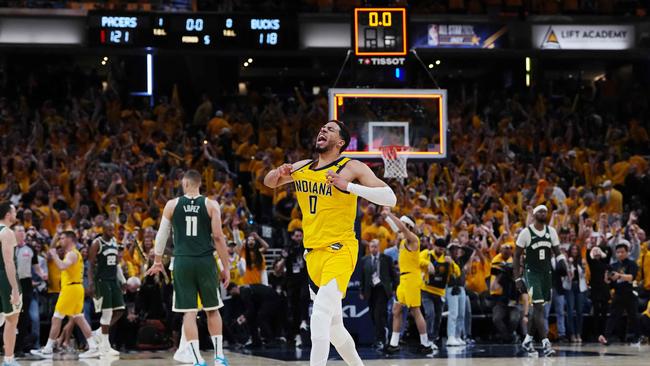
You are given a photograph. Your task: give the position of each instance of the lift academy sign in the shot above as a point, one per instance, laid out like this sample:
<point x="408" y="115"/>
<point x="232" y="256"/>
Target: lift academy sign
<point x="583" y="37"/>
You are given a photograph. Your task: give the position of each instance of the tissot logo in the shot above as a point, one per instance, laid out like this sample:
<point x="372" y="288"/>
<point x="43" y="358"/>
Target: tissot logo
<point x="350" y="311"/>
<point x="381" y="61"/>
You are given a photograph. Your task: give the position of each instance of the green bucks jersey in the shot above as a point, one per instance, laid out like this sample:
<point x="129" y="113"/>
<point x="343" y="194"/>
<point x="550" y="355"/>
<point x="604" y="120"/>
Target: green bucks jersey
<point x="537" y="246"/>
<point x="2" y="258"/>
<point x="192" y="228"/>
<point x="106" y="263"/>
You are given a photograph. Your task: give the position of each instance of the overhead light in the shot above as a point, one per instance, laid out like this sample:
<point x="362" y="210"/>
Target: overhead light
<point x="438" y="62"/>
<point x="103" y="63"/>
<point x="315" y="90"/>
<point x="245" y="64"/>
<point x="527" y="64"/>
<point x="250" y="60"/>
<point x="105" y="58"/>
<point x="431" y="66"/>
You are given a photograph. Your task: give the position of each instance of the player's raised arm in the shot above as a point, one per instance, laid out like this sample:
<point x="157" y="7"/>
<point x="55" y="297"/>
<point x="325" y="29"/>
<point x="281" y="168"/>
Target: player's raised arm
<point x="161" y="237"/>
<point x="411" y="238"/>
<point x="370" y="187"/>
<point x="282" y="175"/>
<point x="69" y="259"/>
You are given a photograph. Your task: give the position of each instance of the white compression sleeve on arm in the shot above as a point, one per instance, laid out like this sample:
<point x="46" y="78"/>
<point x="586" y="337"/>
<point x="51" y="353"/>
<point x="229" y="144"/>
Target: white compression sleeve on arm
<point x="380" y="195"/>
<point x="161" y="236"/>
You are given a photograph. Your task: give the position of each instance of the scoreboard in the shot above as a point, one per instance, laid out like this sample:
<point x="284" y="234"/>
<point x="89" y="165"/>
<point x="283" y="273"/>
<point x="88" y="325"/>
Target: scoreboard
<point x="379" y="32"/>
<point x="208" y="31"/>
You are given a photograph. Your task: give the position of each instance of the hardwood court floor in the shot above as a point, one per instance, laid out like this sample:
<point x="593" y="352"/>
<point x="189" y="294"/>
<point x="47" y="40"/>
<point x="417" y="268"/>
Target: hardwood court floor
<point x="479" y="355"/>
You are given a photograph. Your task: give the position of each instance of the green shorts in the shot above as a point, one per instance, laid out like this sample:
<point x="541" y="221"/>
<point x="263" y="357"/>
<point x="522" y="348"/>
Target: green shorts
<point x="539" y="286"/>
<point x="110" y="294"/>
<point x="194" y="277"/>
<point x="6" y="307"/>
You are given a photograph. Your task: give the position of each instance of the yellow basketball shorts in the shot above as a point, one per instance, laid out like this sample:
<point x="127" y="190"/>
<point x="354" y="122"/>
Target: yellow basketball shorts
<point x="335" y="262"/>
<point x="71" y="300"/>
<point x="409" y="292"/>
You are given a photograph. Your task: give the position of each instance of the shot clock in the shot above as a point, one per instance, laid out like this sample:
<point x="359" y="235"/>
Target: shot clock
<point x="379" y="32"/>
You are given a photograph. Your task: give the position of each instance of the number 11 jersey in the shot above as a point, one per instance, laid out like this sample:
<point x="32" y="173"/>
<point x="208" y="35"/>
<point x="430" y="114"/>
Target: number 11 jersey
<point x="192" y="228"/>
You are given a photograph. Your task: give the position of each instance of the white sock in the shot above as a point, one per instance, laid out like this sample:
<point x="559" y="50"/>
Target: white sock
<point x="91" y="343"/>
<point x="424" y="339"/>
<point x="182" y="343"/>
<point x="529" y="338"/>
<point x="50" y="344"/>
<point x="9" y="359"/>
<point x="394" y="339"/>
<point x="196" y="352"/>
<point x="217" y="341"/>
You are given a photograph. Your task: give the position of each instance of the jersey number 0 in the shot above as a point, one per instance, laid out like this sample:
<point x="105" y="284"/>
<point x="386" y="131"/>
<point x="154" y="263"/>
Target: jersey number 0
<point x="191" y="225"/>
<point x="312" y="204"/>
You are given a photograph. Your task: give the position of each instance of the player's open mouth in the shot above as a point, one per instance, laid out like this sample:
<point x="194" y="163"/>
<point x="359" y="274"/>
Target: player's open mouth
<point x="321" y="138"/>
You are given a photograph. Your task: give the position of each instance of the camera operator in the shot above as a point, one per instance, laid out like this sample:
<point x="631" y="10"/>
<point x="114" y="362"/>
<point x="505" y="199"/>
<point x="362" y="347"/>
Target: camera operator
<point x="295" y="269"/>
<point x="620" y="276"/>
<point x="506" y="315"/>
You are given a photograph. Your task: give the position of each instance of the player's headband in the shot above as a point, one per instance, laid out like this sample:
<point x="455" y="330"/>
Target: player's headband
<point x="539" y="208"/>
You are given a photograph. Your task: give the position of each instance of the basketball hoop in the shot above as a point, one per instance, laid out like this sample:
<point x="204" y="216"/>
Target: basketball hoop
<point x="394" y="163"/>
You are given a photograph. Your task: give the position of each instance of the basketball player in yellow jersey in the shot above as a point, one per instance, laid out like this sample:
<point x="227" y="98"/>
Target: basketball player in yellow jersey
<point x="328" y="201"/>
<point x="410" y="282"/>
<point x="70" y="301"/>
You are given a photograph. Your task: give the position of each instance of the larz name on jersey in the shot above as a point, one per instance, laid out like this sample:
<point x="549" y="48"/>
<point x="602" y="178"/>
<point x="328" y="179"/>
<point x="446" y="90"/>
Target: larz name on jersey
<point x="191" y="208"/>
<point x="322" y="189"/>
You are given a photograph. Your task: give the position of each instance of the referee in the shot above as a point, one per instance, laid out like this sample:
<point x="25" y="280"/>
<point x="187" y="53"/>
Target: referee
<point x="26" y="260"/>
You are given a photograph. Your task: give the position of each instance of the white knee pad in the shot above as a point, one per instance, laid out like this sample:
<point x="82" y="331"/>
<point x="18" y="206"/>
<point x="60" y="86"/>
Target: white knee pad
<point x="107" y="315"/>
<point x="326" y="305"/>
<point x="57" y="315"/>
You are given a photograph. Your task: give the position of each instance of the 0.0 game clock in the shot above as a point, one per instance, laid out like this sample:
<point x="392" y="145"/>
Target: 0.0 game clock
<point x="379" y="31"/>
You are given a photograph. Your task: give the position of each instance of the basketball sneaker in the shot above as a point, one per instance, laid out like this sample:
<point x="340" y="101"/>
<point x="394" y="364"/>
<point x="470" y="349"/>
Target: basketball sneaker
<point x="424" y="350"/>
<point x="183" y="355"/>
<point x="453" y="342"/>
<point x="91" y="353"/>
<point x="547" y="350"/>
<point x="391" y="349"/>
<point x="10" y="363"/>
<point x="220" y="361"/>
<point x="528" y="346"/>
<point x="44" y="352"/>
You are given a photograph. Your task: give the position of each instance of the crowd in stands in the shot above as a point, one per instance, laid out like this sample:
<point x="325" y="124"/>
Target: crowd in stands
<point x="75" y="155"/>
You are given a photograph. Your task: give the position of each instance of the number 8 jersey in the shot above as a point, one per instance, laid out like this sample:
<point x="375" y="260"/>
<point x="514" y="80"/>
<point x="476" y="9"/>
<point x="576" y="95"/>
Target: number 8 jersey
<point x="328" y="214"/>
<point x="192" y="228"/>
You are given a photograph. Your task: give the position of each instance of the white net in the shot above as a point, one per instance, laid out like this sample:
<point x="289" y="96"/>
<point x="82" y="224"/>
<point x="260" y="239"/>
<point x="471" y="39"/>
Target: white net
<point x="394" y="163"/>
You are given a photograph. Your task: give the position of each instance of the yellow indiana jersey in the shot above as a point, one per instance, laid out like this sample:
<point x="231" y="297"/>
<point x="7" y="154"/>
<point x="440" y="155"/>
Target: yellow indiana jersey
<point x="409" y="261"/>
<point x="328" y="214"/>
<point x="74" y="273"/>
